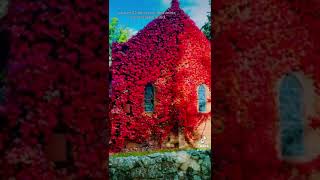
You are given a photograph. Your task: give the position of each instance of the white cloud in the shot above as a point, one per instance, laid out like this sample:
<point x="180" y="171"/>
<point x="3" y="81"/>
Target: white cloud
<point x="196" y="9"/>
<point x="132" y="32"/>
<point x="166" y="2"/>
<point x="199" y="12"/>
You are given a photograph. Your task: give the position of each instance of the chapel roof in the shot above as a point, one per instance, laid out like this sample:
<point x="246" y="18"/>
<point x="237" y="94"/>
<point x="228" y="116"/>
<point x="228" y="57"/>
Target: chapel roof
<point x="174" y="17"/>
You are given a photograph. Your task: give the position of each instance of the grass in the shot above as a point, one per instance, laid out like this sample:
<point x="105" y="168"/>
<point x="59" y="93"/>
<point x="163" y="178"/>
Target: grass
<point x="144" y="153"/>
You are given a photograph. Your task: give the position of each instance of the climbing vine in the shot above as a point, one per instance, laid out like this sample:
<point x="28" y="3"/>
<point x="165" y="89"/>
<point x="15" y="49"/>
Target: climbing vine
<point x="174" y="56"/>
<point x="56" y="75"/>
<point x="257" y="43"/>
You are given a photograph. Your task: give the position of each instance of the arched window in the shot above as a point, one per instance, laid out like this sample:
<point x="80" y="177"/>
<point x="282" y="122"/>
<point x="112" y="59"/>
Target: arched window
<point x="291" y="114"/>
<point x="149" y="98"/>
<point x="202" y="98"/>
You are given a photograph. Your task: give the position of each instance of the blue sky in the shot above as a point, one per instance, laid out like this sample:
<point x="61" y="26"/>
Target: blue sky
<point x="124" y="10"/>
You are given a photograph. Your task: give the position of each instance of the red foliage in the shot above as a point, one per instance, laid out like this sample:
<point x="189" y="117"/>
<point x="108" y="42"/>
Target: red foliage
<point x="57" y="72"/>
<point x="173" y="55"/>
<point x="256" y="43"/>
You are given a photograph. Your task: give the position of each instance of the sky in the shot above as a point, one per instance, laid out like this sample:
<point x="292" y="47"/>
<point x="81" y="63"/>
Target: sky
<point x="124" y="10"/>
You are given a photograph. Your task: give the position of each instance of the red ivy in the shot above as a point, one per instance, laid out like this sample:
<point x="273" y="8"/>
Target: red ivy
<point x="173" y="55"/>
<point x="256" y="43"/>
<point x="57" y="72"/>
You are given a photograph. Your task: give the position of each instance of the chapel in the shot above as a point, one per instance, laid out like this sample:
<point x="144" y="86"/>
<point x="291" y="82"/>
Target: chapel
<point x="160" y="87"/>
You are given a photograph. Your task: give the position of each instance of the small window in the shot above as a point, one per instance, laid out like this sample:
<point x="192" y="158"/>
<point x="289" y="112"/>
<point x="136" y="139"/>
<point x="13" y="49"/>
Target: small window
<point x="202" y="98"/>
<point x="149" y="98"/>
<point x="58" y="148"/>
<point x="110" y="84"/>
<point x="128" y="108"/>
<point x="291" y="117"/>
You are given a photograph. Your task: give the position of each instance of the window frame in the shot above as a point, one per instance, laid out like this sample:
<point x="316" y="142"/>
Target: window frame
<point x="284" y="123"/>
<point x="152" y="101"/>
<point x="205" y="91"/>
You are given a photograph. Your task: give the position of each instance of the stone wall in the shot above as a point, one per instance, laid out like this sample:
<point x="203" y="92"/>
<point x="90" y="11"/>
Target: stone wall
<point x="190" y="164"/>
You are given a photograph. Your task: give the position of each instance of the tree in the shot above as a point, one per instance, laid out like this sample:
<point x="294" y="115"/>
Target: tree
<point x="206" y="29"/>
<point x="116" y="34"/>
